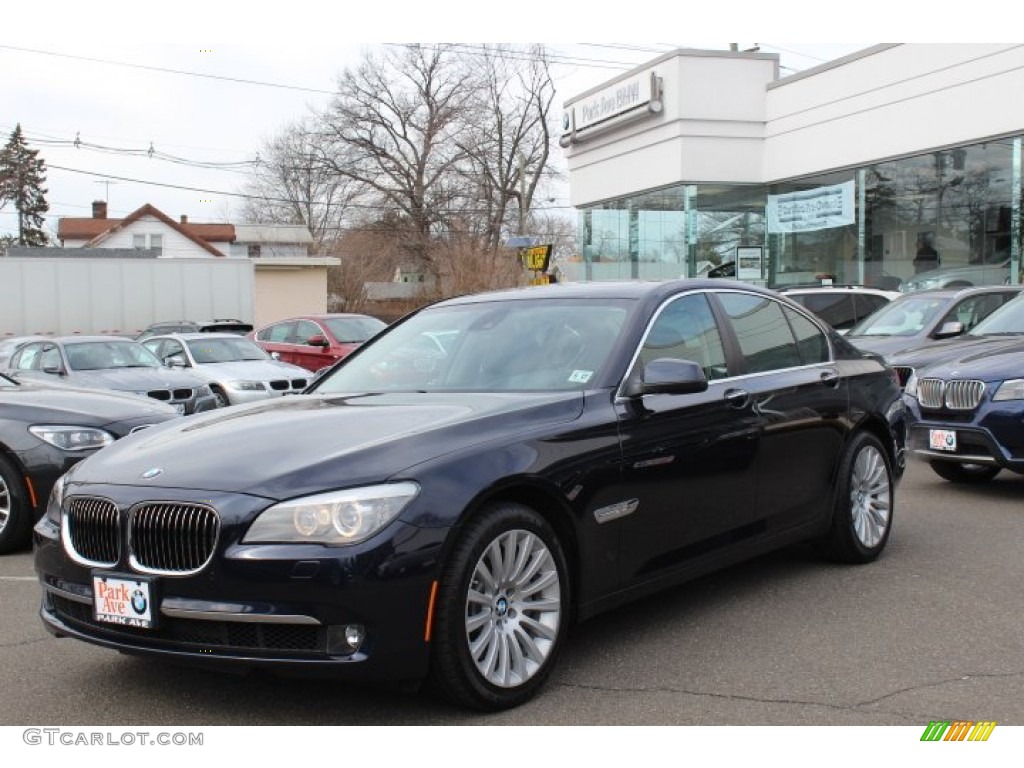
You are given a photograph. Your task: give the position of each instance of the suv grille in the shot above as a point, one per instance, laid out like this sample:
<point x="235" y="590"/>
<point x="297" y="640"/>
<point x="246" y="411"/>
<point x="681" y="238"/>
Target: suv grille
<point x="91" y="531"/>
<point x="957" y="395"/>
<point x="173" y="539"/>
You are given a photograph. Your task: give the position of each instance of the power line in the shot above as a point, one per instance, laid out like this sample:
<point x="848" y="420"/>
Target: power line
<point x="167" y="70"/>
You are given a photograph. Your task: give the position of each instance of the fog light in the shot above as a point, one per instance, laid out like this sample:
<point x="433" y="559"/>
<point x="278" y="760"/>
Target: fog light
<point x="345" y="638"/>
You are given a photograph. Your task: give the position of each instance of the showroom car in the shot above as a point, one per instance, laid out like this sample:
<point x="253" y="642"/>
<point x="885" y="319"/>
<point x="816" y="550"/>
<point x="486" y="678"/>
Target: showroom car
<point x="44" y="430"/>
<point x="966" y="414"/>
<point x="315" y="342"/>
<point x="928" y="318"/>
<point x="559" y="451"/>
<point x="110" y="362"/>
<point x="841" y="306"/>
<point x="235" y="368"/>
<point x="994" y="271"/>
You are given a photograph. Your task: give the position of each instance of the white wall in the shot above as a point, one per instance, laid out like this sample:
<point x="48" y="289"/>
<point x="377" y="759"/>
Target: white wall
<point x="897" y="100"/>
<point x="175" y="244"/>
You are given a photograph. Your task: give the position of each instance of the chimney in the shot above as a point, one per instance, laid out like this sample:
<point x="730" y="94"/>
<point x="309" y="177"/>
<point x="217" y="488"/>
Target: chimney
<point x="184" y="219"/>
<point x="99" y="209"/>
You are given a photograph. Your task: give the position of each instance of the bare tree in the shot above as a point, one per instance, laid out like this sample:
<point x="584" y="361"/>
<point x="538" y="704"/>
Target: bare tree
<point x="292" y="185"/>
<point x="393" y="128"/>
<point x="509" y="141"/>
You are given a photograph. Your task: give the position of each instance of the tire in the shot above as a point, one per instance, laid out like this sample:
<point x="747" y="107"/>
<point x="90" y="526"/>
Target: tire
<point x="863" y="508"/>
<point x="493" y="645"/>
<point x="221" y="400"/>
<point x="964" y="473"/>
<point x="16" y="518"/>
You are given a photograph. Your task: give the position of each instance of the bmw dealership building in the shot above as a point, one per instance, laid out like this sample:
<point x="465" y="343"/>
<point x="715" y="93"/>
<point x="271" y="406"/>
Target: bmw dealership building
<point x="868" y="169"/>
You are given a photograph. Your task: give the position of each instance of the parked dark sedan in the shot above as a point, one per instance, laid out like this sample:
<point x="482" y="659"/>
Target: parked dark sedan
<point x="561" y="450"/>
<point x="111" y="362"/>
<point x="967" y="414"/>
<point x="44" y="430"/>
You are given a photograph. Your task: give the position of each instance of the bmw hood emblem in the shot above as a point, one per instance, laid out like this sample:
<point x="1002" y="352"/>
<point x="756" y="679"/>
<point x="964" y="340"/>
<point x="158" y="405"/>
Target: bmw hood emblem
<point x="149" y="474"/>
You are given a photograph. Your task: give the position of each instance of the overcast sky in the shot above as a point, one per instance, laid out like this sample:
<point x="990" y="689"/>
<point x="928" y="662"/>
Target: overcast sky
<point x="174" y="81"/>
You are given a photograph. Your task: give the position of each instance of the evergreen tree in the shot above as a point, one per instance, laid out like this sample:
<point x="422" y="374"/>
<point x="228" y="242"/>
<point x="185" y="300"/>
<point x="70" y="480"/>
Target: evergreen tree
<point x="22" y="175"/>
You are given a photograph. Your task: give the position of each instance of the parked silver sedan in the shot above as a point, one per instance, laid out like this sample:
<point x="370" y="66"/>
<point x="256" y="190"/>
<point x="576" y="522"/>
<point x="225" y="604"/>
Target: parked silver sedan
<point x="235" y="368"/>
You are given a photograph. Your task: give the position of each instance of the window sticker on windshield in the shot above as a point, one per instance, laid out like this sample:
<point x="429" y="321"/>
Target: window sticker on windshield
<point x="580" y="377"/>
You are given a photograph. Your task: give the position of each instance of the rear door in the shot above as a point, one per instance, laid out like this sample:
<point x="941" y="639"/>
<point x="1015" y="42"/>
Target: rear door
<point x="800" y="400"/>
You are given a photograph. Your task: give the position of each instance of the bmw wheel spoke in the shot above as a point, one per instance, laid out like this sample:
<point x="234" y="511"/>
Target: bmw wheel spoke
<point x="869" y="497"/>
<point x="513" y="608"/>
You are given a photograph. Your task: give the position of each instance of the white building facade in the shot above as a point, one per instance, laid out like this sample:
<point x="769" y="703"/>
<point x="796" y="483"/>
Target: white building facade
<point x="858" y="170"/>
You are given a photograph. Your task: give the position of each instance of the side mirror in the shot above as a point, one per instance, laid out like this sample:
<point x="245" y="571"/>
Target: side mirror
<point x="56" y="370"/>
<point x="275" y="355"/>
<point x="951" y="328"/>
<point x="318" y="340"/>
<point x="175" y="361"/>
<point x="669" y="376"/>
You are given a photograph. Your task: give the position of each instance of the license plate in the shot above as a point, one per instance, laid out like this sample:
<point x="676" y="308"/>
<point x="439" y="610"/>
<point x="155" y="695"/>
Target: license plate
<point x="123" y="600"/>
<point x="942" y="439"/>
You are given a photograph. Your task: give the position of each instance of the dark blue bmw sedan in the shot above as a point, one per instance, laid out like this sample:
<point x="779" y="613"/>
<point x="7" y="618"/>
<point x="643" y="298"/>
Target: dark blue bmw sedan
<point x="448" y="501"/>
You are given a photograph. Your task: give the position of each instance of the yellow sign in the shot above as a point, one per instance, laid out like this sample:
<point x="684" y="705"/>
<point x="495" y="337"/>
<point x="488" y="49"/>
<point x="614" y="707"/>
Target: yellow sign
<point x="537" y="257"/>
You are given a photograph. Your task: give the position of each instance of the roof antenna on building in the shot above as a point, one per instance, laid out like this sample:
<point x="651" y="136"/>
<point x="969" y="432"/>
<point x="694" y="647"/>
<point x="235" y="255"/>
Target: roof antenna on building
<point x="78" y="139"/>
<point x="151" y="150"/>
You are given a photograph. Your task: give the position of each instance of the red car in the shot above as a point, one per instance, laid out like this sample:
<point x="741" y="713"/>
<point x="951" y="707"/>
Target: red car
<point x="316" y="341"/>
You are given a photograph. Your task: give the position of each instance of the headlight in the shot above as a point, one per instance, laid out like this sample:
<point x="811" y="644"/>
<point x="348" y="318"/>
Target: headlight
<point x="1011" y="389"/>
<point x="56" y="501"/>
<point x="203" y="391"/>
<point x="338" y="517"/>
<point x="72" y="438"/>
<point x="910" y="390"/>
<point x="247" y="386"/>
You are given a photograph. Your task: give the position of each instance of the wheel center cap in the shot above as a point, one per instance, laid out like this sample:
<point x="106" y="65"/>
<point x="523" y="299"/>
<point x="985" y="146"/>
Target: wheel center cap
<point x="501" y="607"/>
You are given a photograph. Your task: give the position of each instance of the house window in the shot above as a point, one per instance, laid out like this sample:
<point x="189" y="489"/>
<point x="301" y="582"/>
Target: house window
<point x="157" y="242"/>
<point x="254" y="251"/>
<point x="148" y="241"/>
<point x="138" y="241"/>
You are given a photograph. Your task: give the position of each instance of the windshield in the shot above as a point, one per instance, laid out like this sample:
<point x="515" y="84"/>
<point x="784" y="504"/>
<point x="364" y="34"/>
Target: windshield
<point x="903" y="317"/>
<point x="224" y="350"/>
<point x="354" y="329"/>
<point x="99" y="355"/>
<point x="556" y="344"/>
<point x="1009" y="318"/>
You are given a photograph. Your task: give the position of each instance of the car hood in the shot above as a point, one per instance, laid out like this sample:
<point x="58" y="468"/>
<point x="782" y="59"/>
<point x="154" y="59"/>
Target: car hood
<point x="888" y="345"/>
<point x="293" y="446"/>
<point x="59" y="404"/>
<point x="947" y="349"/>
<point x="133" y="379"/>
<point x="987" y="363"/>
<point x="250" y="370"/>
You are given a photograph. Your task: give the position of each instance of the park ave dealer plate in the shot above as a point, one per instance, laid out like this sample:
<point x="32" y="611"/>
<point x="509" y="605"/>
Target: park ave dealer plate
<point x="122" y="600"/>
<point x="942" y="439"/>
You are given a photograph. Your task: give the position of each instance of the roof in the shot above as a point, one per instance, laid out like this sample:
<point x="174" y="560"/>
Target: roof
<point x="73" y="228"/>
<point x="272" y="233"/>
<point x="149" y="210"/>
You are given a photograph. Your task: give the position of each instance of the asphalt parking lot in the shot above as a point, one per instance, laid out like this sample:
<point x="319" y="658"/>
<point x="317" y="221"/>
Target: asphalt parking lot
<point x="933" y="630"/>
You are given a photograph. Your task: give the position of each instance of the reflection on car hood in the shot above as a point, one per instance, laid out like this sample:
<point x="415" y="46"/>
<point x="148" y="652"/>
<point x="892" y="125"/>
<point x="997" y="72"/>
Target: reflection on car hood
<point x="292" y="446"/>
<point x="987" y="363"/>
<point x="58" y="404"/>
<point x="950" y="348"/>
<point x="133" y="379"/>
<point x="888" y="345"/>
<point x="249" y="370"/>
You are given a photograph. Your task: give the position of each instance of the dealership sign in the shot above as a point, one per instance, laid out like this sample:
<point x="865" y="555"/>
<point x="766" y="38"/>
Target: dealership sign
<point x="636" y="94"/>
<point x="811" y="209"/>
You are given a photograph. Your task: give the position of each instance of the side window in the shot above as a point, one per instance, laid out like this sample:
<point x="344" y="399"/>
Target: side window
<point x="686" y="330"/>
<point x="810" y="341"/>
<point x="25" y="359"/>
<point x="50" y="358"/>
<point x="306" y="329"/>
<point x="973" y="310"/>
<point x="867" y="303"/>
<point x="765" y="338"/>
<point x="279" y="333"/>
<point x="836" y="309"/>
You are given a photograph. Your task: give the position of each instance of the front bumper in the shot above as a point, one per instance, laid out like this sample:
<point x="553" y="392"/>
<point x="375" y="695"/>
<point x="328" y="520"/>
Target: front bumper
<point x="281" y="607"/>
<point x="991" y="435"/>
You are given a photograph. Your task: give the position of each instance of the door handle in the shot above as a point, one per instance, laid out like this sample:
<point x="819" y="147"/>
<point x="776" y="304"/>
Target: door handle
<point x="830" y="378"/>
<point x="737" y="398"/>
